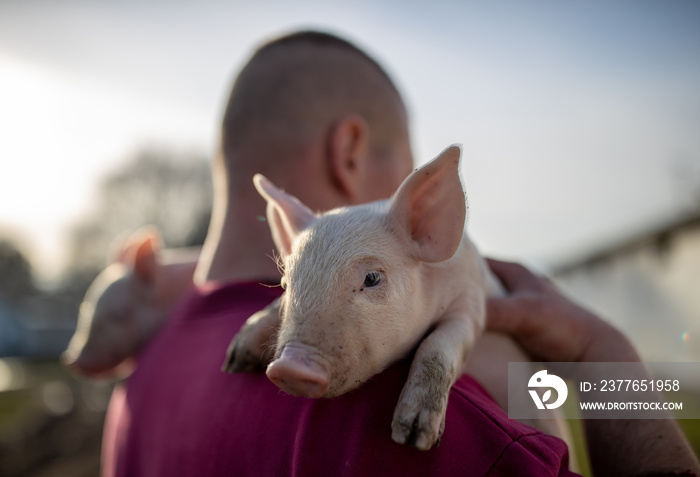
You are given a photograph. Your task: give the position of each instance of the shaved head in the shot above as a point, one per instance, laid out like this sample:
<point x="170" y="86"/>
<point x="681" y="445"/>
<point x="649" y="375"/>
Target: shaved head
<point x="318" y="117"/>
<point x="294" y="89"/>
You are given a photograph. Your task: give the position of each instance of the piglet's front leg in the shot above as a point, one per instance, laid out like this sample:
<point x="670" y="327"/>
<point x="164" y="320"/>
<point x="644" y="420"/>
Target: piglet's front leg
<point x="253" y="348"/>
<point x="419" y="417"/>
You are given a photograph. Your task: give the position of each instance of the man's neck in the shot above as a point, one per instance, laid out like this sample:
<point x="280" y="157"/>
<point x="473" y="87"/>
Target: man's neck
<point x="240" y="249"/>
<point x="239" y="244"/>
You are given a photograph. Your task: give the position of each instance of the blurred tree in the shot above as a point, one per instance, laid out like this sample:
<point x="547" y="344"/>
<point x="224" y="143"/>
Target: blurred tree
<point x="16" y="281"/>
<point x="169" y="190"/>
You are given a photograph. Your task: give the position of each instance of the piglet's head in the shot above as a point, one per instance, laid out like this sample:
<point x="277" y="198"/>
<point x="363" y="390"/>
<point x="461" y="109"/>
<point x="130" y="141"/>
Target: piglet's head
<point x="355" y="277"/>
<point x="115" y="319"/>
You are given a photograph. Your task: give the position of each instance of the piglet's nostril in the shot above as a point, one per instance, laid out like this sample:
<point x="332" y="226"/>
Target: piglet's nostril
<point x="296" y="374"/>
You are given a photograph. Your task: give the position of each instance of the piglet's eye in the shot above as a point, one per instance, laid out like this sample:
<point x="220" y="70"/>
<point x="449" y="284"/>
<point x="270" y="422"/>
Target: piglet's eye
<point x="373" y="279"/>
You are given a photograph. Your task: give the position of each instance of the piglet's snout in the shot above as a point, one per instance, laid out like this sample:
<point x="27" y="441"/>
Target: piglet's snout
<point x="297" y="373"/>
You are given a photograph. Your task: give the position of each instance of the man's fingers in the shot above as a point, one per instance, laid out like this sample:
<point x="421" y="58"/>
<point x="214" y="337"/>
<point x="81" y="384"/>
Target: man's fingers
<point x="514" y="276"/>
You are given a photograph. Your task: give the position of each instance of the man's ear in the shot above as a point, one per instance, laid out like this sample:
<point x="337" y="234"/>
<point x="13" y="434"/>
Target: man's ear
<point x="430" y="206"/>
<point x="348" y="151"/>
<point x="286" y="215"/>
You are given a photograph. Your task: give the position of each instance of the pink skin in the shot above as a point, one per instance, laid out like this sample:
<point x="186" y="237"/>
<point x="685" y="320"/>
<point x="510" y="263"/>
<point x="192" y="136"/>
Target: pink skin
<point x="364" y="285"/>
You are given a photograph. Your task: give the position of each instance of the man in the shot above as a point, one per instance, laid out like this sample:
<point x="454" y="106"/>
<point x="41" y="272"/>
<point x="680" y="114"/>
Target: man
<point x="319" y="117"/>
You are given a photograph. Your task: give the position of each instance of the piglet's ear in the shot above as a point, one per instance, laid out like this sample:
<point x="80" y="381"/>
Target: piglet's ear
<point x="145" y="259"/>
<point x="139" y="252"/>
<point x="286" y="215"/>
<point x="430" y="206"/>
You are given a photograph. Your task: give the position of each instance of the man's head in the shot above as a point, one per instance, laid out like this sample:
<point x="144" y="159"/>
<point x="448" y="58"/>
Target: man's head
<point x="312" y="111"/>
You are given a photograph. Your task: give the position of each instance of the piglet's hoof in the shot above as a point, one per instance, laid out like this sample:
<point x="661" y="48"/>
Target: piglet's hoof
<point x="252" y="349"/>
<point x="417" y="427"/>
<point x="419" y="417"/>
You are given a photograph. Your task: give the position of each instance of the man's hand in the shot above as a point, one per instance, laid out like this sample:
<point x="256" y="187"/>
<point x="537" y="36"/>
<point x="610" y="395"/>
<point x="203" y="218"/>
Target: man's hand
<point x="549" y="326"/>
<point x="552" y="328"/>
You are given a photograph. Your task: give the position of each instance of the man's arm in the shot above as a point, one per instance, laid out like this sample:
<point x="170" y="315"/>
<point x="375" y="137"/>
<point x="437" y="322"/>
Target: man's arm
<point x="552" y="328"/>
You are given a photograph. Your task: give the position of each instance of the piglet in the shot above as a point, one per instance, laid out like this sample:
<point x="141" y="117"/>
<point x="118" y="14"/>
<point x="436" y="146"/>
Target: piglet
<point x="365" y="285"/>
<point x="126" y="304"/>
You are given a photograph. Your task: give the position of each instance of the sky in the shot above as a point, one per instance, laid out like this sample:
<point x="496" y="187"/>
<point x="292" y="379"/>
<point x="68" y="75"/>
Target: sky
<point x="579" y="120"/>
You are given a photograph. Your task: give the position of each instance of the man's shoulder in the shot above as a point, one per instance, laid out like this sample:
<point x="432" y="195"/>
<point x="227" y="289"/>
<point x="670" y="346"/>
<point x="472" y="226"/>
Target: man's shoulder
<point x="242" y="424"/>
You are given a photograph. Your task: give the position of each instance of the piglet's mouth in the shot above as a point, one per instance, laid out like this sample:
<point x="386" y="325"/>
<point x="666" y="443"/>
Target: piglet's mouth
<point x="297" y="371"/>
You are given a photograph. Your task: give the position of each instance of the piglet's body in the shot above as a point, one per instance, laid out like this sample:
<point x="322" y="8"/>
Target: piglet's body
<point x="367" y="284"/>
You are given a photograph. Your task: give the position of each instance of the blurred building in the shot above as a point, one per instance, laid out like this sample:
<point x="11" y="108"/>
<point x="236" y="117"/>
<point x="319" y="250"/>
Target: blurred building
<point x="13" y="335"/>
<point x="649" y="286"/>
<point x="39" y="328"/>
